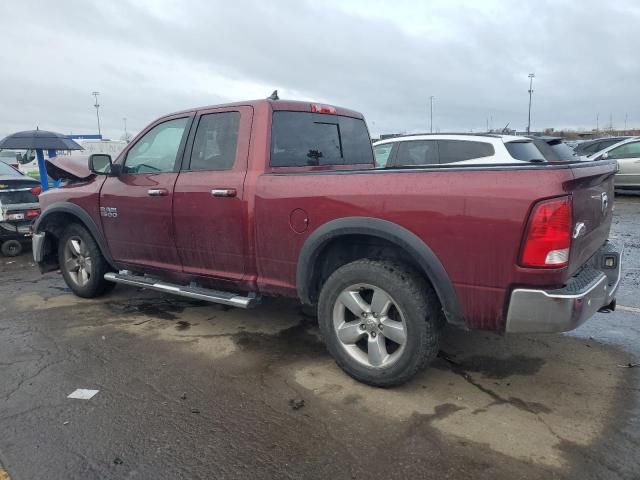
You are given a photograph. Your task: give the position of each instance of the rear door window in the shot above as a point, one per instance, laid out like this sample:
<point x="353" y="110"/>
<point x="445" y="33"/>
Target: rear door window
<point x="309" y="139"/>
<point x="452" y="151"/>
<point x="525" y="151"/>
<point x="417" y="152"/>
<point x="214" y="146"/>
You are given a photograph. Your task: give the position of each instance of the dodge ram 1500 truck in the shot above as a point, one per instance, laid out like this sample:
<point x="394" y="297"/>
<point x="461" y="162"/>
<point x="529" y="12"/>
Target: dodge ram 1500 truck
<point x="234" y="202"/>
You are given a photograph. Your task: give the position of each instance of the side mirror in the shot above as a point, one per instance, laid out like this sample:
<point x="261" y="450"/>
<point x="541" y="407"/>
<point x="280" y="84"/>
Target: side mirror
<point x="100" y="163"/>
<point x="604" y="156"/>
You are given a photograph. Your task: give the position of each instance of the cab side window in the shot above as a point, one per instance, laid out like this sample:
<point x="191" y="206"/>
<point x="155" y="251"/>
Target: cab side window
<point x="215" y="143"/>
<point x="157" y="150"/>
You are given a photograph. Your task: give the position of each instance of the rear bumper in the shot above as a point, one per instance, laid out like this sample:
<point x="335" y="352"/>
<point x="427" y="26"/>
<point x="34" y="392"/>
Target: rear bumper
<point x="547" y="311"/>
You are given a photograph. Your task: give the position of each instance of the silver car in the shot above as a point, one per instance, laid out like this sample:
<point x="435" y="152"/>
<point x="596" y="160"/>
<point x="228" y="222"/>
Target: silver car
<point x="627" y="153"/>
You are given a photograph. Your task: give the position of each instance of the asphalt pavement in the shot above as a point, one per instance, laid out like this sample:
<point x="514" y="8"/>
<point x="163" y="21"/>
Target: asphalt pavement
<point x="194" y="390"/>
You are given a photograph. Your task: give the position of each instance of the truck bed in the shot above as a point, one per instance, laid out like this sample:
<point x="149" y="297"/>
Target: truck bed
<point x="472" y="218"/>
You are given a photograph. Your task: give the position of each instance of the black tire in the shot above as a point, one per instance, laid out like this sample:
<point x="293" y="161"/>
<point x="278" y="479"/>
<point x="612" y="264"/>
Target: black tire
<point x="412" y="295"/>
<point x="11" y="248"/>
<point x="96" y="285"/>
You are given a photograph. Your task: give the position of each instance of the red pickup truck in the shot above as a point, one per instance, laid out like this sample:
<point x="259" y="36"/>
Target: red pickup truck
<point x="233" y="202"/>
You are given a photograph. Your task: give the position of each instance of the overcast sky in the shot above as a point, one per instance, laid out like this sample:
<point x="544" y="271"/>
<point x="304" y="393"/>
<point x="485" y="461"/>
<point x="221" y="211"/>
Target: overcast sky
<point x="151" y="57"/>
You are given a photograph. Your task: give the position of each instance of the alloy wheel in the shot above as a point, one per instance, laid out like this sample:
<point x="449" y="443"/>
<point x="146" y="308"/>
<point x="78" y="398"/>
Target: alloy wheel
<point x="369" y="325"/>
<point x="77" y="261"/>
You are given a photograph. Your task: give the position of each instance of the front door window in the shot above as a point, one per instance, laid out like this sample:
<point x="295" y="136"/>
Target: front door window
<point x="156" y="151"/>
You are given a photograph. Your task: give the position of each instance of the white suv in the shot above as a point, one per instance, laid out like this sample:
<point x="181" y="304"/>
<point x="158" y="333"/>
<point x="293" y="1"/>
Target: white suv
<point x="442" y="149"/>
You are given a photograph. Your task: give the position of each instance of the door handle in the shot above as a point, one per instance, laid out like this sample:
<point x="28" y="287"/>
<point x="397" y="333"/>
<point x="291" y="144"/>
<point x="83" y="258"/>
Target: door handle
<point x="224" y="192"/>
<point x="157" y="192"/>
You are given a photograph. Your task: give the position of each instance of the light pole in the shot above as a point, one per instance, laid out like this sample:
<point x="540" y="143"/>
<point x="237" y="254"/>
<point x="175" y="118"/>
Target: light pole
<point x="97" y="105"/>
<point x="431" y="113"/>
<point x="531" y="77"/>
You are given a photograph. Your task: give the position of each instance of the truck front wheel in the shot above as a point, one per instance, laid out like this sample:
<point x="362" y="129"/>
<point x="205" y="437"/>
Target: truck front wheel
<point x="82" y="264"/>
<point x="379" y="321"/>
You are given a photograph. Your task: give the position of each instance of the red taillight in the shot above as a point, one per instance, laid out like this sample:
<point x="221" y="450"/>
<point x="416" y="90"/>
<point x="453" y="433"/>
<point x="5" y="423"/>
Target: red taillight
<point x="317" y="108"/>
<point x="548" y="238"/>
<point x="32" y="213"/>
<point x="36" y="190"/>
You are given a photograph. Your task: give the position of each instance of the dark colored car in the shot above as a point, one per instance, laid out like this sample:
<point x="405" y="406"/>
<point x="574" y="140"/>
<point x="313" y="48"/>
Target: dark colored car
<point x="272" y="197"/>
<point x="19" y="208"/>
<point x="554" y="149"/>
<point x="593" y="146"/>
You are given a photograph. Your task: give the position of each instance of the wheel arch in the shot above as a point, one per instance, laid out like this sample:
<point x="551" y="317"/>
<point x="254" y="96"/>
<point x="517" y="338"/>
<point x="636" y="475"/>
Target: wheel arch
<point x="54" y="220"/>
<point x="385" y="233"/>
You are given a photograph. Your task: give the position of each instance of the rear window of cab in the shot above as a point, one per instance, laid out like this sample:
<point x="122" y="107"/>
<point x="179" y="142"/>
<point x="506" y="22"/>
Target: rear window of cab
<point x="302" y="139"/>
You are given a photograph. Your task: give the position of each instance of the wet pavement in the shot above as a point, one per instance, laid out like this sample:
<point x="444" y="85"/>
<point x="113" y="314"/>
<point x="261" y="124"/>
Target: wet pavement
<point x="193" y="390"/>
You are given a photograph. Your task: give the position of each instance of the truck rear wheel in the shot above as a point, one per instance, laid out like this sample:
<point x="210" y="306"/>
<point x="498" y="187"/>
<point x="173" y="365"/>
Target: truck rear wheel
<point x="379" y="321"/>
<point x="82" y="264"/>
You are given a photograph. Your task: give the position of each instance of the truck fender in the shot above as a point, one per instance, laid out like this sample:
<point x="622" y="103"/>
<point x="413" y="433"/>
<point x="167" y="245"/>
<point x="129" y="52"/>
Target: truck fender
<point x="82" y="217"/>
<point x="431" y="266"/>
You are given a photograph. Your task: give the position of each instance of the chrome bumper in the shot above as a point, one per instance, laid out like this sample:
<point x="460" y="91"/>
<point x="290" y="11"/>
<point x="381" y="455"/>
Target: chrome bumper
<point x="37" y="242"/>
<point x="547" y="311"/>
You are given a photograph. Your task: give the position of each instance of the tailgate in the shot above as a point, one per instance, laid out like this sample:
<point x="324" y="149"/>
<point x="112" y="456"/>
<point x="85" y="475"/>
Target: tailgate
<point x="592" y="191"/>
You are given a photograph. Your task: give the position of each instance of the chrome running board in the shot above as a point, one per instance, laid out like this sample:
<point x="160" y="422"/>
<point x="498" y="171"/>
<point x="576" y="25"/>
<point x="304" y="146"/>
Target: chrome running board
<point x="226" y="298"/>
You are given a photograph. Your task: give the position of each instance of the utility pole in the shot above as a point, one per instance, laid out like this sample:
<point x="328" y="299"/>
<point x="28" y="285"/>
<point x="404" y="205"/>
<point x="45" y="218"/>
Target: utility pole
<point x="97" y="105"/>
<point x="126" y="137"/>
<point x="531" y="77"/>
<point x="431" y="114"/>
<point x="597" y="122"/>
<point x="626" y="117"/>
<point x="611" y="122"/>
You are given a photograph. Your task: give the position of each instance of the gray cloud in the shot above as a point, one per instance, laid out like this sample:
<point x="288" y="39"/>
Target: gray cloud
<point x="150" y="58"/>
